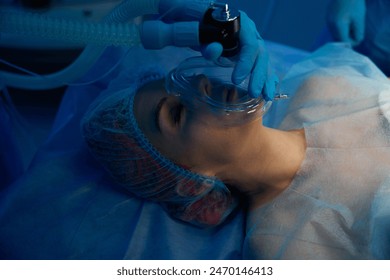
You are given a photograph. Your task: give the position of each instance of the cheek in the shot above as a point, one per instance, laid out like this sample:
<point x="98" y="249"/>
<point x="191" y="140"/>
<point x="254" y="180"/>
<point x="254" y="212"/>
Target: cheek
<point x="209" y="145"/>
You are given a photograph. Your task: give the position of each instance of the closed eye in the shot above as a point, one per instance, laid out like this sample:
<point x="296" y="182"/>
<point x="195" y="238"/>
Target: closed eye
<point x="158" y="113"/>
<point x="169" y="111"/>
<point x="176" y="113"/>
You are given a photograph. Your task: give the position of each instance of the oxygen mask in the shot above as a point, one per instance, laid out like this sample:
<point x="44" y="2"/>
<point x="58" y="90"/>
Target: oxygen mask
<point x="205" y="87"/>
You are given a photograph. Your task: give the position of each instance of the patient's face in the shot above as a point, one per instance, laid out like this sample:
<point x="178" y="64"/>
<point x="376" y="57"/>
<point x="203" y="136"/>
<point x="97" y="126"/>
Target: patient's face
<point x="187" y="136"/>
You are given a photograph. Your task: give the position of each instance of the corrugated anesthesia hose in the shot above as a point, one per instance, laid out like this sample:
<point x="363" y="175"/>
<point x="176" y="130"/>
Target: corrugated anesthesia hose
<point x="77" y="31"/>
<point x="111" y="24"/>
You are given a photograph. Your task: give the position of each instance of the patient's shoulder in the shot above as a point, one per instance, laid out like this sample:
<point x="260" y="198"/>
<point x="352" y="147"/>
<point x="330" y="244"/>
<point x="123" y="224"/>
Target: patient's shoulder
<point x="315" y="99"/>
<point x="323" y="97"/>
<point x="320" y="89"/>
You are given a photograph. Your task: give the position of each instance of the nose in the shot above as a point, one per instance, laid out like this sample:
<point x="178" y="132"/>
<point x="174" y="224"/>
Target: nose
<point x="215" y="90"/>
<point x="202" y="85"/>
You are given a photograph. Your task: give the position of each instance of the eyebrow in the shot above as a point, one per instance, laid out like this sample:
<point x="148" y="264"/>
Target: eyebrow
<point x="157" y="113"/>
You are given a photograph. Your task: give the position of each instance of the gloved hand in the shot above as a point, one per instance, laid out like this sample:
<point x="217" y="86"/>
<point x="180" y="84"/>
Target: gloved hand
<point x="346" y="19"/>
<point x="252" y="60"/>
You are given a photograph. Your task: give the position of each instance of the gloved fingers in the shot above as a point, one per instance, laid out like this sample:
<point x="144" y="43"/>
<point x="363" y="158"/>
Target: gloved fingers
<point x="342" y="29"/>
<point x="212" y="51"/>
<point x="270" y="87"/>
<point x="346" y="20"/>
<point x="259" y="76"/>
<point x="247" y="58"/>
<point x="351" y="31"/>
<point x="251" y="44"/>
<point x="358" y="26"/>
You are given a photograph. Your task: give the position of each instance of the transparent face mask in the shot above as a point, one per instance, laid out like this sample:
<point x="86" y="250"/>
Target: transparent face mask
<point x="205" y="87"/>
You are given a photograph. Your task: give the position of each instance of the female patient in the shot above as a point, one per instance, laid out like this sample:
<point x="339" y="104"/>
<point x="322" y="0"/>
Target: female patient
<point x="314" y="185"/>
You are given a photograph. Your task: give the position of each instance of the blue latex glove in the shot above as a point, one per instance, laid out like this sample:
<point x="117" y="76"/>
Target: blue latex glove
<point x="252" y="60"/>
<point x="346" y="19"/>
<point x="253" y="57"/>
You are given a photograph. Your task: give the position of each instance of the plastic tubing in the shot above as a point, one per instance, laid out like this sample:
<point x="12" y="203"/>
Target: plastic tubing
<point x="124" y="12"/>
<point x="35" y="25"/>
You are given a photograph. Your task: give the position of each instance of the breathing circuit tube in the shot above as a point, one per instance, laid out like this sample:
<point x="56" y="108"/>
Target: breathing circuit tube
<point x="109" y="28"/>
<point x="77" y="31"/>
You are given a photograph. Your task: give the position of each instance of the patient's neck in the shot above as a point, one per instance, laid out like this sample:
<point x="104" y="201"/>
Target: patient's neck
<point x="271" y="164"/>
